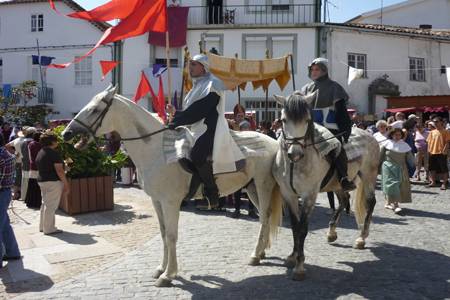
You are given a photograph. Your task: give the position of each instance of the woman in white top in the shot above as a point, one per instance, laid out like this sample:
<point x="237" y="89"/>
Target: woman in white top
<point x="381" y="135"/>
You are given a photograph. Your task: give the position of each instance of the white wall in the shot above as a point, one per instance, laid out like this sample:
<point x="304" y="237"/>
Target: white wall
<point x="412" y="14"/>
<point x="58" y="31"/>
<point x="232" y="43"/>
<point x="387" y="54"/>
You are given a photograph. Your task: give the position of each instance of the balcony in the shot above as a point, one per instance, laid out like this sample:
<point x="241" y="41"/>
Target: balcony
<point x="44" y="95"/>
<point x="252" y="14"/>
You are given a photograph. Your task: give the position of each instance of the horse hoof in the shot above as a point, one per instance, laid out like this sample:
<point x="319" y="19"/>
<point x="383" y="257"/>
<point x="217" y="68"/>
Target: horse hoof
<point x="254" y="261"/>
<point x="157" y="273"/>
<point x="290" y="262"/>
<point x="331" y="238"/>
<point x="299" y="276"/>
<point x="359" y="245"/>
<point x="262" y="255"/>
<point x="163" y="282"/>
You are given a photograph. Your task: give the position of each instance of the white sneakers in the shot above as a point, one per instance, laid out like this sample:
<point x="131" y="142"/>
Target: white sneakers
<point x="397" y="210"/>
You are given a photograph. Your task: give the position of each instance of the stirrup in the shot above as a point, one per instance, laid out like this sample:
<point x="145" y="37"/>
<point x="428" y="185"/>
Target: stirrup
<point x="351" y="187"/>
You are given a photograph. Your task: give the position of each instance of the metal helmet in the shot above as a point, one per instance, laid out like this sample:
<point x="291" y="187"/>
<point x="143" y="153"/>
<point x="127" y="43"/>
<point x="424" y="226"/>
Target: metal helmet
<point x="204" y="60"/>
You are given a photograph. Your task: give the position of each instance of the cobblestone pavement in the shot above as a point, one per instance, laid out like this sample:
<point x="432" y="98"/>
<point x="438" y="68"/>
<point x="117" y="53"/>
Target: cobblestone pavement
<point x="131" y="213"/>
<point x="407" y="257"/>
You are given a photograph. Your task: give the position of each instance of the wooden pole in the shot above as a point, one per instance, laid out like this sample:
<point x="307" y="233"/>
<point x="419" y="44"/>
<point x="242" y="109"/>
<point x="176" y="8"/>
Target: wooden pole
<point x="186" y="54"/>
<point x="169" y="93"/>
<point x="239" y="89"/>
<point x="292" y="69"/>
<point x="267" y="96"/>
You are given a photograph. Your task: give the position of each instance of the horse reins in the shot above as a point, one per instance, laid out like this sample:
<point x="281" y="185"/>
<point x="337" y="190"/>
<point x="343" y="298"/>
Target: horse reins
<point x="100" y="118"/>
<point x="296" y="140"/>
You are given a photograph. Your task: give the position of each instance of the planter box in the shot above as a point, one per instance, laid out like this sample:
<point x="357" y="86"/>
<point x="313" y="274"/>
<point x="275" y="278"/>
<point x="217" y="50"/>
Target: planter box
<point x="88" y="194"/>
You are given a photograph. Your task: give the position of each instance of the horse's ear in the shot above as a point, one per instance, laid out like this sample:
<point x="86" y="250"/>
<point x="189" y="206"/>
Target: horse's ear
<point x="311" y="97"/>
<point x="111" y="91"/>
<point x="280" y="99"/>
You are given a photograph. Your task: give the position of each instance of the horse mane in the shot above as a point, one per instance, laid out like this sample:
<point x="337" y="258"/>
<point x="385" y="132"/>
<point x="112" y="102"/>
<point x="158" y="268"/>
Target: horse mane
<point x="137" y="108"/>
<point x="297" y="109"/>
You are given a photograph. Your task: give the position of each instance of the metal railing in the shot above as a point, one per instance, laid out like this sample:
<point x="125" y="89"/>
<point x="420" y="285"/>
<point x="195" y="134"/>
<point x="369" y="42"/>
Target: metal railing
<point x="252" y="14"/>
<point x="44" y="94"/>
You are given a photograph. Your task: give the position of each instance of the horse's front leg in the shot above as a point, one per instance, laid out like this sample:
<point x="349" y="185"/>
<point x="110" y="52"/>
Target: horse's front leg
<point x="294" y="219"/>
<point x="171" y="212"/>
<point x="343" y="202"/>
<point x="162" y="228"/>
<point x="261" y="198"/>
<point x="301" y="232"/>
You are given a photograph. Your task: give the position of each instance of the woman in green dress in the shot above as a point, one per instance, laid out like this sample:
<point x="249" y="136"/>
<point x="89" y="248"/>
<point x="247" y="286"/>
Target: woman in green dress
<point x="394" y="176"/>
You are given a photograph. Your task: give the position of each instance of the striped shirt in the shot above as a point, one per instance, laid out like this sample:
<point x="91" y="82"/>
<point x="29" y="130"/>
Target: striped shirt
<point x="6" y="168"/>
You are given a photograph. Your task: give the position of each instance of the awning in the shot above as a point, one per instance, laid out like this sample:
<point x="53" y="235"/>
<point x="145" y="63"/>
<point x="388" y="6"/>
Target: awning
<point x="405" y="109"/>
<point x="436" y="109"/>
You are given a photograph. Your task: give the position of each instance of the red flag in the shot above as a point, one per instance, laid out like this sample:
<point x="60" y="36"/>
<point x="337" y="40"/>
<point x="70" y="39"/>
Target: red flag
<point x="177" y="18"/>
<point x="107" y="66"/>
<point x="161" y="101"/>
<point x="115" y="9"/>
<point x="143" y="88"/>
<point x="151" y="15"/>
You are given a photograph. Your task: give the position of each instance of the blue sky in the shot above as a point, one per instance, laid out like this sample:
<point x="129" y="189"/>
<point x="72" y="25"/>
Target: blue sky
<point x="347" y="9"/>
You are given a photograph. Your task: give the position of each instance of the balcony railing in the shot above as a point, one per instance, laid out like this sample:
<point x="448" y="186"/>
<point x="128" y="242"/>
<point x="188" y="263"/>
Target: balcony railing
<point x="252" y="14"/>
<point x="44" y="94"/>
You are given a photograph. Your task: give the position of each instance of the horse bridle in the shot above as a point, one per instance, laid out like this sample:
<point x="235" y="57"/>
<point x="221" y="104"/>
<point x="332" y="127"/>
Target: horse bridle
<point x="100" y="118"/>
<point x="289" y="141"/>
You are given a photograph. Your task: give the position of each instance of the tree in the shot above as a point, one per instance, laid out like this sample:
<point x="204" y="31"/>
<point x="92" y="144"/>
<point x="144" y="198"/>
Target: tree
<point x="16" y="109"/>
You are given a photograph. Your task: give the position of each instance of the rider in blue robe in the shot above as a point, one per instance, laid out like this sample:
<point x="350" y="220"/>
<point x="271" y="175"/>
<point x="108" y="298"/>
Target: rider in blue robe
<point x="330" y="110"/>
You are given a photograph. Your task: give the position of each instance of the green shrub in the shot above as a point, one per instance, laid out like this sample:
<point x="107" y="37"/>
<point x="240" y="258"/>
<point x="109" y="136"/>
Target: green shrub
<point x="89" y="162"/>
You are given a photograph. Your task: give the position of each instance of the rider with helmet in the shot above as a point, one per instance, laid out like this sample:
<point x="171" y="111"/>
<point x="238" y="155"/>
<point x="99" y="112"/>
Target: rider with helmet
<point x="330" y="111"/>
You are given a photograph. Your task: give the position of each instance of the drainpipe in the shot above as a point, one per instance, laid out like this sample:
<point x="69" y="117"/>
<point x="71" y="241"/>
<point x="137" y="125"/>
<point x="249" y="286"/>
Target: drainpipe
<point x="318" y="4"/>
<point x="118" y="53"/>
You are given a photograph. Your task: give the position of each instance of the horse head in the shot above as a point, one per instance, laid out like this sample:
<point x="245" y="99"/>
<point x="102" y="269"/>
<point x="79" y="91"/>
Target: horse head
<point x="90" y="121"/>
<point x="298" y="124"/>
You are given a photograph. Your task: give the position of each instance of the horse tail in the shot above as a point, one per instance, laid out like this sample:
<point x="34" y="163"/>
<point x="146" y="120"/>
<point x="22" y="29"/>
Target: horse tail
<point x="276" y="215"/>
<point x="360" y="201"/>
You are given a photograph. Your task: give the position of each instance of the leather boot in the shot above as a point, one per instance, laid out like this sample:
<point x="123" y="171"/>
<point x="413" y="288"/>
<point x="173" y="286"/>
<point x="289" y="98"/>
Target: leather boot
<point x="210" y="192"/>
<point x="341" y="167"/>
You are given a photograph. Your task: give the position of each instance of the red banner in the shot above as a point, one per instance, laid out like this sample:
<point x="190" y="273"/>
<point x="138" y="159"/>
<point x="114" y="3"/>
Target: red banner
<point x="177" y="17"/>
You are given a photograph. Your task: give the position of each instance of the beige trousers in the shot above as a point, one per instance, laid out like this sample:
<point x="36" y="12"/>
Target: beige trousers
<point x="51" y="195"/>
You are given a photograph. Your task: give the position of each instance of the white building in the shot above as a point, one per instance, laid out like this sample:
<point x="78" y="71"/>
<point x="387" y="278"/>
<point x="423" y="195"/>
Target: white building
<point x="23" y="24"/>
<point x="429" y="14"/>
<point x="414" y="60"/>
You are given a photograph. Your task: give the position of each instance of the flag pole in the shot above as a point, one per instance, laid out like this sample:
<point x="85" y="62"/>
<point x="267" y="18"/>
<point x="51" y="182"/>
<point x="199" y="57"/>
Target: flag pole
<point x="39" y="58"/>
<point x="169" y="93"/>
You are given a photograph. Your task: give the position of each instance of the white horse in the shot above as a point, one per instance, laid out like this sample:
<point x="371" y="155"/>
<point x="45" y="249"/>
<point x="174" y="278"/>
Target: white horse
<point x="168" y="184"/>
<point x="299" y="170"/>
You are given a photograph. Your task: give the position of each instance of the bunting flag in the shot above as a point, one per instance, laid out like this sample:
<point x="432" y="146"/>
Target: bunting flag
<point x="42" y="60"/>
<point x="107" y="66"/>
<point x="142" y="17"/>
<point x="157" y="71"/>
<point x="448" y="76"/>
<point x="175" y="101"/>
<point x="143" y="89"/>
<point x="354" y="73"/>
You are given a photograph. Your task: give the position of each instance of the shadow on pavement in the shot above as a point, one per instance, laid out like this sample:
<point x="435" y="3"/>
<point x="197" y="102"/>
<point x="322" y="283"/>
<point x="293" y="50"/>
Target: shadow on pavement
<point x="389" y="277"/>
<point x="35" y="281"/>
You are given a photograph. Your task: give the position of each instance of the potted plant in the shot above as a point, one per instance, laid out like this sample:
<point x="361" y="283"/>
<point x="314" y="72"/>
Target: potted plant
<point x="89" y="177"/>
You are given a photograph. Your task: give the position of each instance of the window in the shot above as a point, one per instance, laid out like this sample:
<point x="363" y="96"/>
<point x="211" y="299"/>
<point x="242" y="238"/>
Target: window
<point x="1" y="77"/>
<point x="259" y="109"/>
<point x="417" y="69"/>
<point x="37" y="23"/>
<point x="35" y="73"/>
<point x="161" y="56"/>
<point x="83" y="71"/>
<point x="213" y="41"/>
<point x="278" y="45"/>
<point x="280" y="4"/>
<point x="358" y="61"/>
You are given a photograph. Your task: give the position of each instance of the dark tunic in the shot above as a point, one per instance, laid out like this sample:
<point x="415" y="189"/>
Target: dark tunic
<point x="205" y="108"/>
